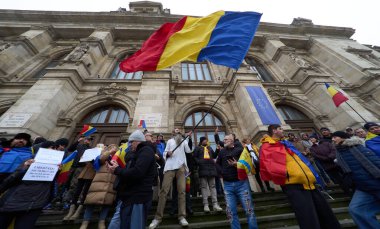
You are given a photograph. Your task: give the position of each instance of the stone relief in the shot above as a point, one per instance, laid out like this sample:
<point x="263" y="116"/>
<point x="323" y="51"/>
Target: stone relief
<point x="4" y="46"/>
<point x="112" y="89"/>
<point x="301" y="62"/>
<point x="278" y="92"/>
<point x="78" y="52"/>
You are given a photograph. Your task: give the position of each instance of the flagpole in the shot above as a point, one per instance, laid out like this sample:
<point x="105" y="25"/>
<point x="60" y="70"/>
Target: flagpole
<point x="356" y="111"/>
<point x="213" y="105"/>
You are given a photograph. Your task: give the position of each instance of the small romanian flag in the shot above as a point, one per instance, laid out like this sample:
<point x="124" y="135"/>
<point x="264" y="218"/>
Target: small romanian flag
<point x="142" y="124"/>
<point x="119" y="156"/>
<point x="87" y="130"/>
<point x="66" y="166"/>
<point x="337" y="96"/>
<point x="222" y="38"/>
<point x="245" y="165"/>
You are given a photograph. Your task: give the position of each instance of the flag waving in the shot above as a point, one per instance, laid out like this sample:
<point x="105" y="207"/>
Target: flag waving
<point x="87" y="130"/>
<point x="119" y="156"/>
<point x="66" y="166"/>
<point x="223" y="38"/>
<point x="337" y="96"/>
<point x="244" y="165"/>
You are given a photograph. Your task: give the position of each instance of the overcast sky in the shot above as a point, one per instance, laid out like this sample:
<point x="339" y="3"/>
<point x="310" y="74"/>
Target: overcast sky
<point x="362" y="15"/>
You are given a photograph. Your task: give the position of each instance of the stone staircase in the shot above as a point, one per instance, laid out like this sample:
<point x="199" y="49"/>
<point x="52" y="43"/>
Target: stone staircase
<point x="272" y="211"/>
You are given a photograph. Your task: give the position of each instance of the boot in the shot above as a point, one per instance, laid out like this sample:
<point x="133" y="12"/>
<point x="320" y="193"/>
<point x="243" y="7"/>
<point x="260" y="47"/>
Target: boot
<point x="71" y="212"/>
<point x="77" y="213"/>
<point x="102" y="224"/>
<point x="84" y="224"/>
<point x="206" y="208"/>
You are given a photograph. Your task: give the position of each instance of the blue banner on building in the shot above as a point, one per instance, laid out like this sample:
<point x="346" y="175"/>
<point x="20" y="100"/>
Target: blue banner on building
<point x="263" y="106"/>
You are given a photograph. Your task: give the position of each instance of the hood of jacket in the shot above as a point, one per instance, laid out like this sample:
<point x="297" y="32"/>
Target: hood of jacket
<point x="353" y="141"/>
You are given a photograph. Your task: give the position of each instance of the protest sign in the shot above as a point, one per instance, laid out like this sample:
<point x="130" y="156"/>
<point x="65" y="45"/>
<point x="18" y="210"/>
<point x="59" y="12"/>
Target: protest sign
<point x="41" y="172"/>
<point x="49" y="156"/>
<point x="90" y="154"/>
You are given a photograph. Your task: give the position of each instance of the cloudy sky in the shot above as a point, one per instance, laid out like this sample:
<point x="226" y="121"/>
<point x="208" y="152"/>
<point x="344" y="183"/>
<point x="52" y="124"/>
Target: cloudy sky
<point x="362" y="15"/>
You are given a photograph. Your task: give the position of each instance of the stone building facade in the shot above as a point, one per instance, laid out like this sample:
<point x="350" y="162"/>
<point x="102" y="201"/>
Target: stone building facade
<point x="59" y="70"/>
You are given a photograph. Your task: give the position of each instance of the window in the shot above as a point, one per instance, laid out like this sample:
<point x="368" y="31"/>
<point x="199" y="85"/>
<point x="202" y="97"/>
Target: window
<point x="206" y="128"/>
<point x="195" y="71"/>
<point x="290" y="113"/>
<point x="118" y="74"/>
<point x="262" y="72"/>
<point x="108" y="115"/>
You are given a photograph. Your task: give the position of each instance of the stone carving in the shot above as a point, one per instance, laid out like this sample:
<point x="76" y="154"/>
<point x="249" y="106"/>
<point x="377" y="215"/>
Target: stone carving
<point x="302" y="21"/>
<point x="4" y="46"/>
<point x="304" y="63"/>
<point x="64" y="122"/>
<point x="278" y="92"/>
<point x="112" y="89"/>
<point x="78" y="52"/>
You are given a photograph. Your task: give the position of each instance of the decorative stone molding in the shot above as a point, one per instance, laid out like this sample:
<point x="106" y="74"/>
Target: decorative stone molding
<point x="4" y="46"/>
<point x="323" y="117"/>
<point x="78" y="53"/>
<point x="366" y="54"/>
<point x="24" y="41"/>
<point x="272" y="37"/>
<point x="303" y="63"/>
<point x="64" y="122"/>
<point x="112" y="90"/>
<point x="202" y="99"/>
<point x="48" y="28"/>
<point x="302" y="21"/>
<point x="278" y="92"/>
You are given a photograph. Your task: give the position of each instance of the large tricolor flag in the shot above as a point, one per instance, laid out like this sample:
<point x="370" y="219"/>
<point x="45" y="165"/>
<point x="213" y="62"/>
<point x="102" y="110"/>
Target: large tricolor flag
<point x="244" y="165"/>
<point x="337" y="96"/>
<point x="87" y="130"/>
<point x="66" y="166"/>
<point x="372" y="142"/>
<point x="223" y="38"/>
<point x="119" y="156"/>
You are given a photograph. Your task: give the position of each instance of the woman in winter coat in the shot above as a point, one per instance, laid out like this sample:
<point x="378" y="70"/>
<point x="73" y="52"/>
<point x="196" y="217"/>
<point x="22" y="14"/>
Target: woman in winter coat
<point x="101" y="192"/>
<point x="364" y="167"/>
<point x="204" y="157"/>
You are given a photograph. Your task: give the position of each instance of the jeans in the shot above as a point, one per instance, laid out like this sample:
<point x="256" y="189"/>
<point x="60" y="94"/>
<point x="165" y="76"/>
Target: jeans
<point x="363" y="209"/>
<point x="89" y="209"/>
<point x="134" y="216"/>
<point x="234" y="191"/>
<point x="115" y="221"/>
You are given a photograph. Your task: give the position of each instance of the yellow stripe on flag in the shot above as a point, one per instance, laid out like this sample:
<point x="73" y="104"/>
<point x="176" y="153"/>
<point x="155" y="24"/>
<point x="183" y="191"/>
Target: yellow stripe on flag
<point x="332" y="91"/>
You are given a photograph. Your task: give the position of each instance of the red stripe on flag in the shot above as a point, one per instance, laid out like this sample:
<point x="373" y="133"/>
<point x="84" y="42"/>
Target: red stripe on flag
<point x="339" y="98"/>
<point x="150" y="53"/>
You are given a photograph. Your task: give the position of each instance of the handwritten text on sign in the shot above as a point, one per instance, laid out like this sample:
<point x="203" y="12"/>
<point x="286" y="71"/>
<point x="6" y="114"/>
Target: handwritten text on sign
<point x="41" y="172"/>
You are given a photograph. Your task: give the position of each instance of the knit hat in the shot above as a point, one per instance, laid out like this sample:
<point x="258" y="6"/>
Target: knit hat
<point x="62" y="142"/>
<point x="137" y="135"/>
<point x="314" y="135"/>
<point x="369" y="125"/>
<point x="39" y="140"/>
<point x="324" y="128"/>
<point x="47" y="144"/>
<point x="340" y="134"/>
<point x="202" y="139"/>
<point x="24" y="136"/>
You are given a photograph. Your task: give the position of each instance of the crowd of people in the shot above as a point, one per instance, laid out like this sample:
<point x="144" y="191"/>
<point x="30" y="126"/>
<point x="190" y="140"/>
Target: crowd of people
<point x="303" y="167"/>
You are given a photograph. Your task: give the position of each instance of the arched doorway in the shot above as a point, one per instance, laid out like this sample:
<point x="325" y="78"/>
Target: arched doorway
<point x="206" y="128"/>
<point x="110" y="122"/>
<point x="297" y="120"/>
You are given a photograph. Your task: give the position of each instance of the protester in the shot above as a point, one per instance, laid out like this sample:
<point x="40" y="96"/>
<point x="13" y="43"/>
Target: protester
<point x="175" y="167"/>
<point x="19" y="151"/>
<point x="292" y="138"/>
<point x="101" y="192"/>
<point x="136" y="181"/>
<point x="82" y="175"/>
<point x="234" y="188"/>
<point x="283" y="164"/>
<point x="204" y="157"/>
<point x="363" y="166"/>
<point x="350" y="131"/>
<point x="326" y="135"/>
<point x="305" y="140"/>
<point x="361" y="133"/>
<point x="37" y="143"/>
<point x="372" y="140"/>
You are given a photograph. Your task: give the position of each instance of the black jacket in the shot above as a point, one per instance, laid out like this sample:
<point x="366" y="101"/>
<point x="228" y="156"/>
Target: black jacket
<point x="136" y="179"/>
<point x="23" y="195"/>
<point x="206" y="167"/>
<point x="229" y="173"/>
<point x="80" y="148"/>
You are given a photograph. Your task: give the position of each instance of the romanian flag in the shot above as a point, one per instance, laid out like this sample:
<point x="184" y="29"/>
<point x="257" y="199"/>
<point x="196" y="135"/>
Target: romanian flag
<point x="119" y="156"/>
<point x="372" y="142"/>
<point x="87" y="130"/>
<point x="142" y="124"/>
<point x="223" y="38"/>
<point x="65" y="169"/>
<point x="336" y="95"/>
<point x="244" y="165"/>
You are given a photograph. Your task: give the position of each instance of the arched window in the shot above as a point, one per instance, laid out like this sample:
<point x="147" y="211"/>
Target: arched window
<point x="262" y="72"/>
<point x="53" y="63"/>
<point x="119" y="74"/>
<point x="107" y="115"/>
<point x="195" y="71"/>
<point x="297" y="120"/>
<point x="206" y="128"/>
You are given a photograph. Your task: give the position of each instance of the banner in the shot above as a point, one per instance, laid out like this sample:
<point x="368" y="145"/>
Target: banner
<point x="263" y="106"/>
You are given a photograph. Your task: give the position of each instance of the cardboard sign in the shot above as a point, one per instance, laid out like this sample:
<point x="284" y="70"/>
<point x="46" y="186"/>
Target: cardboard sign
<point x="49" y="156"/>
<point x="41" y="172"/>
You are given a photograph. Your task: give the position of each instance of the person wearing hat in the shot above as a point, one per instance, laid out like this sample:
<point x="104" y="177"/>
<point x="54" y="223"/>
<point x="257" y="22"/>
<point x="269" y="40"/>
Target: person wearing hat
<point x="136" y="181"/>
<point x="20" y="151"/>
<point x="326" y="134"/>
<point x="204" y="157"/>
<point x="363" y="166"/>
<point x="350" y="131"/>
<point x="372" y="140"/>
